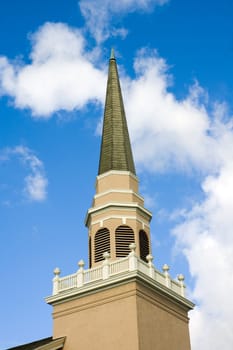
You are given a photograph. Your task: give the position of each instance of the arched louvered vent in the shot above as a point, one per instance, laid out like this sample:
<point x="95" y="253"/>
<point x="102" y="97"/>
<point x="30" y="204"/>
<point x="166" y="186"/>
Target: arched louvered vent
<point x="90" y="255"/>
<point x="144" y="245"/>
<point x="124" y="235"/>
<point x="102" y="243"/>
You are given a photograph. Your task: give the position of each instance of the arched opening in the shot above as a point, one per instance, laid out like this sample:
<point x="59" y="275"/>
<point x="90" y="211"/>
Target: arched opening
<point x="124" y="235"/>
<point x="144" y="245"/>
<point x="102" y="243"/>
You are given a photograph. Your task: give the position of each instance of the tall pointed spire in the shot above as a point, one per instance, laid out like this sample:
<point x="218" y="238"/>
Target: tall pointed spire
<point x="116" y="153"/>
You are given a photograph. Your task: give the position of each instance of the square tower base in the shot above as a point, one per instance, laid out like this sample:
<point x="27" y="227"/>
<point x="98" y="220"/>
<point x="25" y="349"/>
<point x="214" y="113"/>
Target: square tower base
<point x="130" y="314"/>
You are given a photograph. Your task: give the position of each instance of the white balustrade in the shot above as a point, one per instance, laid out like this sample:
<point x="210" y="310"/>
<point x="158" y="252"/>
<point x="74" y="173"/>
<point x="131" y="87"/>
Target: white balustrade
<point x="93" y="274"/>
<point x="121" y="265"/>
<point x="132" y="263"/>
<point x="68" y="282"/>
<point x="143" y="267"/>
<point x="159" y="277"/>
<point x="175" y="286"/>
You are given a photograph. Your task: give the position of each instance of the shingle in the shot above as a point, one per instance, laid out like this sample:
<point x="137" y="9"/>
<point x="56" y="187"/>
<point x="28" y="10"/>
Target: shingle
<point x="116" y="153"/>
<point x="34" y="345"/>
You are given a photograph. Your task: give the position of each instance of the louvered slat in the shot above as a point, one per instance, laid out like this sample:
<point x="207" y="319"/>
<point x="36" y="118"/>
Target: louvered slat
<point x="102" y="243"/>
<point x="124" y="235"/>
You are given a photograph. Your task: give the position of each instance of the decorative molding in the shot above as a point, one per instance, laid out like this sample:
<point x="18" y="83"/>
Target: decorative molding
<point x="117" y="172"/>
<point x="121" y="218"/>
<point x="117" y="206"/>
<point x="118" y="191"/>
<point x="115" y="281"/>
<point x="110" y="273"/>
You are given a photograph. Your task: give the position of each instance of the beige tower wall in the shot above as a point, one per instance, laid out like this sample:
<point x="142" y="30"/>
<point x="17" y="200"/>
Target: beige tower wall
<point x="162" y="323"/>
<point x="113" y="222"/>
<point x="104" y="320"/>
<point x="117" y="202"/>
<point x="127" y="316"/>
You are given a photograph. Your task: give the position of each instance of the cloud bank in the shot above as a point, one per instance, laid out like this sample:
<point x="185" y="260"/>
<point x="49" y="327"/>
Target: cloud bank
<point x="184" y="136"/>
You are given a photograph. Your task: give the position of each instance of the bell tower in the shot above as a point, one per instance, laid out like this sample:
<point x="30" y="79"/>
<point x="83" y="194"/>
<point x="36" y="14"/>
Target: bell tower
<point x="122" y="301"/>
<point x="117" y="217"/>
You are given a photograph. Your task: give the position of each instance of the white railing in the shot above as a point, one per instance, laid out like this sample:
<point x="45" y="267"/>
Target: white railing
<point x="142" y="266"/>
<point x="121" y="265"/>
<point x="118" y="267"/>
<point x="93" y="274"/>
<point x="68" y="282"/>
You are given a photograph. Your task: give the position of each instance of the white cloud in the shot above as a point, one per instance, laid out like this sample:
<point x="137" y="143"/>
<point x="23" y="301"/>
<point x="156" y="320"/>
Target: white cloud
<point x="181" y="135"/>
<point x="205" y="237"/>
<point x="99" y="14"/>
<point x="35" y="187"/>
<point x="59" y="77"/>
<point x="167" y="133"/>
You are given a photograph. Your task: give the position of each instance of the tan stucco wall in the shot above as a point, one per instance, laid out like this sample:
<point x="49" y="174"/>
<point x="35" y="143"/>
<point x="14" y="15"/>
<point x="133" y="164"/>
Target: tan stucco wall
<point x="112" y="223"/>
<point x="116" y="203"/>
<point x="162" y="324"/>
<point x="117" y="180"/>
<point x="124" y="317"/>
<point x="117" y="196"/>
<point x="104" y="320"/>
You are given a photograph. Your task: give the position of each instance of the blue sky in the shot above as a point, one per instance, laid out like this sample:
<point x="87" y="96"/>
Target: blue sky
<point x="175" y="63"/>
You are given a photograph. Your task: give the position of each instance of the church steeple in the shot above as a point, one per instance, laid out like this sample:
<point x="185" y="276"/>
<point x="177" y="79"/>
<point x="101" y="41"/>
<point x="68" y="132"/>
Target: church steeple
<point x="116" y="153"/>
<point x="117" y="217"/>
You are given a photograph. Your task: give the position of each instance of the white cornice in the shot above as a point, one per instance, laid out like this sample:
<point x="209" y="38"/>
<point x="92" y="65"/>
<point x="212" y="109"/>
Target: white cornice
<point x="121" y="217"/>
<point x="117" y="205"/>
<point x="117" y="172"/>
<point x="119" y="191"/>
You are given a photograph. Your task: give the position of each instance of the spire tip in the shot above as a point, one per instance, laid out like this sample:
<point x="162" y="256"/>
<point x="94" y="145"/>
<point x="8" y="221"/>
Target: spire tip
<point x="112" y="57"/>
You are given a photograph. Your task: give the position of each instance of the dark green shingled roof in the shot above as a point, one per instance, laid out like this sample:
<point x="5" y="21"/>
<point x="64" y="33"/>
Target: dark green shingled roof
<point x="33" y="345"/>
<point x="116" y="153"/>
<point x="38" y="344"/>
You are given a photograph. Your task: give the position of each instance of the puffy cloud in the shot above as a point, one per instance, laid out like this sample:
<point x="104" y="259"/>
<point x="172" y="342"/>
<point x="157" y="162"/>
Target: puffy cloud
<point x="99" y="14"/>
<point x="35" y="183"/>
<point x="166" y="132"/>
<point x="59" y="77"/>
<point x="205" y="237"/>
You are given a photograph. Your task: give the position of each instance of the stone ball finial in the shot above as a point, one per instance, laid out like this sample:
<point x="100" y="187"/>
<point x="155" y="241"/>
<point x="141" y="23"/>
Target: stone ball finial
<point x="166" y="268"/>
<point x="57" y="271"/>
<point x="149" y="258"/>
<point x="106" y="255"/>
<point x="180" y="278"/>
<point x="132" y="247"/>
<point x="81" y="264"/>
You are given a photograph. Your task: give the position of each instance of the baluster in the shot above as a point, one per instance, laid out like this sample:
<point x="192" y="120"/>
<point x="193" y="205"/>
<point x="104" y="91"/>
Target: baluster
<point x="80" y="273"/>
<point x="182" y="285"/>
<point x="167" y="276"/>
<point x="150" y="258"/>
<point x="105" y="265"/>
<point x="133" y="260"/>
<point x="56" y="278"/>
